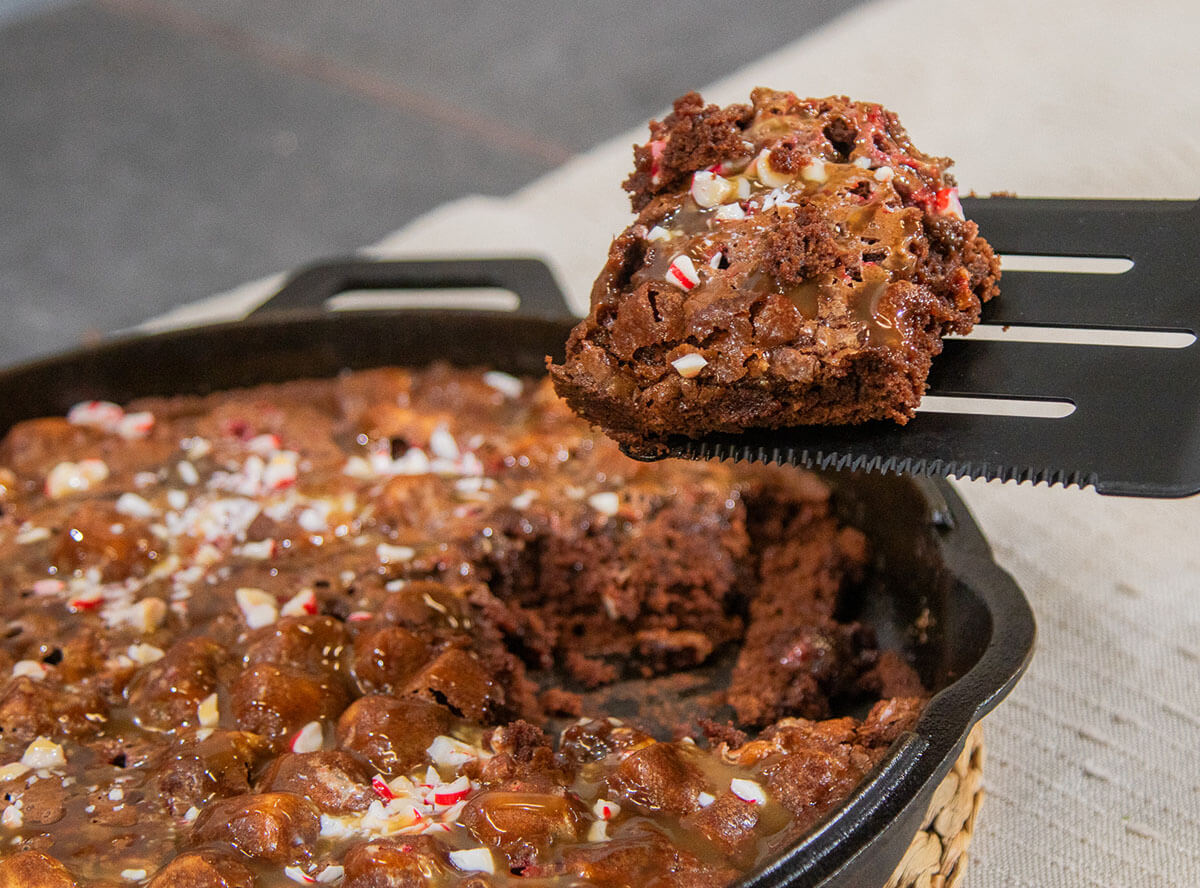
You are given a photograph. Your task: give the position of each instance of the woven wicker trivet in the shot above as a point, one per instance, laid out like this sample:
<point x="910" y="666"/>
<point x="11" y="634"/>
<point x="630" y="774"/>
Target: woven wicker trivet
<point x="937" y="857"/>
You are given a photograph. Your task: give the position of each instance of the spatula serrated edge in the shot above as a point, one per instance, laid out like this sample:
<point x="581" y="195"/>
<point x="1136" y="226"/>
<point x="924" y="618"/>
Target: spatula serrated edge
<point x="834" y="460"/>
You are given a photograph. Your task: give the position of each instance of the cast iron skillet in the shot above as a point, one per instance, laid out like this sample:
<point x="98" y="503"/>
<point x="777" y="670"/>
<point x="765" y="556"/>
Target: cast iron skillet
<point x="930" y="553"/>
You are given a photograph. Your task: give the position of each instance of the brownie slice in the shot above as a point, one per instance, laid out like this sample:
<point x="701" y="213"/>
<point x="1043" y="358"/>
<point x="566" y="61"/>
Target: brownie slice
<point x="793" y="262"/>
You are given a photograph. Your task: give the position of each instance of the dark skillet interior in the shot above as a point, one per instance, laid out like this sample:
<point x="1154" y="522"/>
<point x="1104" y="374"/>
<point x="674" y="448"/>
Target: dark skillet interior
<point x="932" y="559"/>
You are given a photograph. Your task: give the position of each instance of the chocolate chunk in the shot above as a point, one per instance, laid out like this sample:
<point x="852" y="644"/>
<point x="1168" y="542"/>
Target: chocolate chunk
<point x="391" y="733"/>
<point x="279" y="827"/>
<point x="333" y="780"/>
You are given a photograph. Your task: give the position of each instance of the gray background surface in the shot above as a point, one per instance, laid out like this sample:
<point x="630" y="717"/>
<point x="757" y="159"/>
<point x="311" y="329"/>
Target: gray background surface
<point x="152" y="153"/>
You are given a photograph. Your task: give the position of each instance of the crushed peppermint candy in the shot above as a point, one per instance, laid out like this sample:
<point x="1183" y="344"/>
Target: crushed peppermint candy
<point x="309" y="738"/>
<point x="777" y="197"/>
<point x="450" y="753"/>
<point x="187" y="473"/>
<point x="381" y="788"/>
<point x="71" y="477"/>
<point x="28" y="535"/>
<point x="689" y="366"/>
<point x="709" y="189"/>
<point x="257" y="550"/>
<point x="265" y="444"/>
<point x="134" y="874"/>
<point x="453" y="792"/>
<point x="730" y="212"/>
<point x="12" y="817"/>
<point x="524" y="499"/>
<point x="97" y="414"/>
<point x="598" y="831"/>
<point x="302" y="603"/>
<point x="298" y="875"/>
<point x="258" y="607"/>
<point x="331" y="874"/>
<point x="814" y="171"/>
<point x="144" y="616"/>
<point x="144" y="654"/>
<point x="473" y="860"/>
<point x="43" y="753"/>
<point x="388" y="554"/>
<point x="208" y="711"/>
<point x="605" y="809"/>
<point x="946" y="203"/>
<point x="134" y="506"/>
<point x="715" y="260"/>
<point x="442" y="444"/>
<point x="705" y="799"/>
<point x="682" y="272"/>
<point x="29" y="668"/>
<point x="748" y="790"/>
<point x="133" y="426"/>
<point x="658" y="233"/>
<point x="505" y="383"/>
<point x="606" y="502"/>
<point x="885" y="174"/>
<point x="862" y="162"/>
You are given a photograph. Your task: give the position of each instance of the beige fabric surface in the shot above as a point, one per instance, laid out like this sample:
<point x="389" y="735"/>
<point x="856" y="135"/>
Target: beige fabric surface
<point x="1094" y="762"/>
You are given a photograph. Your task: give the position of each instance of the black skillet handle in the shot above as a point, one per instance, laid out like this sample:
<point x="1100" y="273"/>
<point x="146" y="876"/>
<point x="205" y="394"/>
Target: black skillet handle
<point x="530" y="279"/>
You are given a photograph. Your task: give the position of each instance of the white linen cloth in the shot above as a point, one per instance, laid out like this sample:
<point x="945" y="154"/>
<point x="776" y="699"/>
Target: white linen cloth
<point x="1093" y="768"/>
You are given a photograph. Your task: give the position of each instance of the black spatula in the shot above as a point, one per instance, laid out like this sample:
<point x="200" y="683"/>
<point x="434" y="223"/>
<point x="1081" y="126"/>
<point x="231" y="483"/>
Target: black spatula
<point x="1123" y="416"/>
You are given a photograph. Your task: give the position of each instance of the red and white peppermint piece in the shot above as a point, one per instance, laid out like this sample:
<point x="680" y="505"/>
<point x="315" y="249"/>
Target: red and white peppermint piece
<point x="97" y="414"/>
<point x="48" y="587"/>
<point x="381" y="788"/>
<point x="29" y="668"/>
<point x="450" y="793"/>
<point x="298" y="875"/>
<point x="605" y="809"/>
<point x="598" y="831"/>
<point x="331" y="874"/>
<point x="705" y="799"/>
<point x="689" y="366"/>
<point x="682" y="272"/>
<point x="133" y="426"/>
<point x="281" y="470"/>
<point x="303" y="602"/>
<point x="748" y="791"/>
<point x="309" y="738"/>
<point x="658" y="233"/>
<point x="450" y="752"/>
<point x="946" y="203"/>
<point x="656" y="152"/>
<point x="258" y="607"/>
<point x="87" y="600"/>
<point x="885" y="174"/>
<point x="264" y="444"/>
<point x="359" y="616"/>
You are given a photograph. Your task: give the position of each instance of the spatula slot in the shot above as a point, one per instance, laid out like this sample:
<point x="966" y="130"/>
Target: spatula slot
<point x="1040" y="409"/>
<point x="1078" y="336"/>
<point x="1065" y="264"/>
